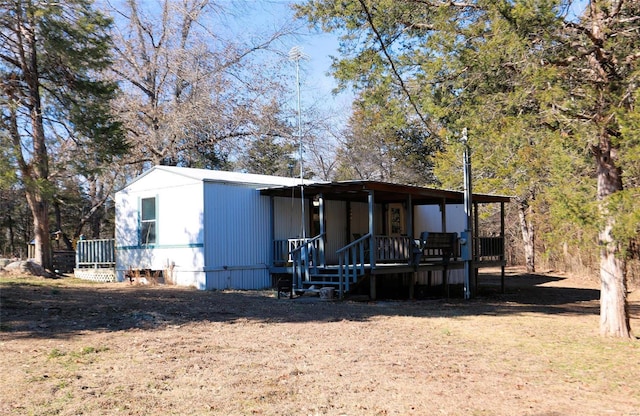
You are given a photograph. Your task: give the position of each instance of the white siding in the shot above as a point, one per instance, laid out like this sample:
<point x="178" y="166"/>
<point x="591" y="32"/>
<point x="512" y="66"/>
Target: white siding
<point x="429" y="218"/>
<point x="179" y="214"/>
<point x="126" y="233"/>
<point x="179" y="227"/>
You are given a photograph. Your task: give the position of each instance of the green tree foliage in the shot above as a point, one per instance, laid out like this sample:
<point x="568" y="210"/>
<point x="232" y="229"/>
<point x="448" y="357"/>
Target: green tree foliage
<point x="381" y="144"/>
<point x="268" y="157"/>
<point x="53" y="106"/>
<point x="539" y="89"/>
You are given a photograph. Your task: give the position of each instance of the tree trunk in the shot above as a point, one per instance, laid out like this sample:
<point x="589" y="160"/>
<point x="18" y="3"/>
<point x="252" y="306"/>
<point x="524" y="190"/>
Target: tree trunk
<point x="61" y="235"/>
<point x="40" y="210"/>
<point x="98" y="195"/>
<point x="614" y="313"/>
<point x="97" y="201"/>
<point x="36" y="174"/>
<point x="96" y="221"/>
<point x="12" y="236"/>
<point x="528" y="237"/>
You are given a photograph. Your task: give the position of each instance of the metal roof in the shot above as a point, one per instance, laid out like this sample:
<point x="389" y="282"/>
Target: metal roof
<point x="207" y="175"/>
<point x="383" y="192"/>
<point x="355" y="190"/>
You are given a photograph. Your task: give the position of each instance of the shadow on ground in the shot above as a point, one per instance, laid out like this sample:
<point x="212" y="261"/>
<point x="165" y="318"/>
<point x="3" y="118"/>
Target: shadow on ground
<point x="56" y="309"/>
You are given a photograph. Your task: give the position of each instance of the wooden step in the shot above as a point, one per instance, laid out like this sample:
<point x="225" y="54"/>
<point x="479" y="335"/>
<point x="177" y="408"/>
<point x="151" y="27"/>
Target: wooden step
<point x="319" y="282"/>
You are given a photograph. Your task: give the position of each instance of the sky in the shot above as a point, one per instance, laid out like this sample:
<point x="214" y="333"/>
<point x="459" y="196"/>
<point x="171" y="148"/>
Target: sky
<point x="316" y="84"/>
<point x="318" y="47"/>
<point x="252" y="18"/>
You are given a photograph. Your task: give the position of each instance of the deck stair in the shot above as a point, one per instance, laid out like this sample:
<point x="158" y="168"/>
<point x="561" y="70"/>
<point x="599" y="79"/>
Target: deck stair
<point x="357" y="261"/>
<point x="310" y="269"/>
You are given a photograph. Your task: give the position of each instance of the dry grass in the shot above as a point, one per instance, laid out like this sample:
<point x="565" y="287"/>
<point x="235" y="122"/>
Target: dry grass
<point x="70" y="347"/>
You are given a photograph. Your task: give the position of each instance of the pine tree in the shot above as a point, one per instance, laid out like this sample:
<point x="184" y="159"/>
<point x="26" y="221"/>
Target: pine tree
<point x="52" y="103"/>
<point x="531" y="81"/>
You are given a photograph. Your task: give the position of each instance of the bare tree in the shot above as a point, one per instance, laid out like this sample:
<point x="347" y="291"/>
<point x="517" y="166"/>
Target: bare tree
<point x="186" y="86"/>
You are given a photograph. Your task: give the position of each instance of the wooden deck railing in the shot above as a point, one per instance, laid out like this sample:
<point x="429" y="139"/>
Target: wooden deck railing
<point x="488" y="249"/>
<point x="283" y="248"/>
<point x="95" y="253"/>
<point x="393" y="249"/>
<point x="306" y="256"/>
<point x="351" y="262"/>
<point x="438" y="245"/>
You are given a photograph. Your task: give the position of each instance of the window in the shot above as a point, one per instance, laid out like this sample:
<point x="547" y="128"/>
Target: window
<point x="148" y="222"/>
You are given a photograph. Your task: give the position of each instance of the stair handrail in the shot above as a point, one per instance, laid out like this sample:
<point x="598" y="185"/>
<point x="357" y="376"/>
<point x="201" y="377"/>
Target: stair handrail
<point x="351" y="262"/>
<point x="308" y="256"/>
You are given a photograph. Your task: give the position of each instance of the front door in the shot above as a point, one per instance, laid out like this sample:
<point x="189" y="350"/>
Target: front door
<point x="396" y="224"/>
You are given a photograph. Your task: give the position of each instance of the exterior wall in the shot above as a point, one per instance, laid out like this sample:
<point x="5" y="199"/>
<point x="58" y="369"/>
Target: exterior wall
<point x="287" y="223"/>
<point x="228" y="247"/>
<point x="360" y="218"/>
<point x="286" y="216"/>
<point x="429" y="218"/>
<point x="336" y="221"/>
<point x="237" y="233"/>
<point x="179" y="216"/>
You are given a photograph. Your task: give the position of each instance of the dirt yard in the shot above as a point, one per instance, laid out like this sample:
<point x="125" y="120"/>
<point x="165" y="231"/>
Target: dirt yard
<point x="70" y="347"/>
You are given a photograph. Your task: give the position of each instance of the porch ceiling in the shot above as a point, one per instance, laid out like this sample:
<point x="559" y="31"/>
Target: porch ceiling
<point x="384" y="192"/>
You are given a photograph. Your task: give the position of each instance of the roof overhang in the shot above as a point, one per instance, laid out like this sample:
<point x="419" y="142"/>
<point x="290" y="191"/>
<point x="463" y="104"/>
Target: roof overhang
<point x="384" y="192"/>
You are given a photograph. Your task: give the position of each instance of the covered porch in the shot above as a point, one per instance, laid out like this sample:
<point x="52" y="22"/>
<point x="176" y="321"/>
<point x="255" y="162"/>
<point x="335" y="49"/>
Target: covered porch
<point x="351" y="233"/>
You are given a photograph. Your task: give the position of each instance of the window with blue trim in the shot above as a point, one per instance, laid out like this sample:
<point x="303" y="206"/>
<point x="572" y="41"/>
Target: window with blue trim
<point x="148" y="221"/>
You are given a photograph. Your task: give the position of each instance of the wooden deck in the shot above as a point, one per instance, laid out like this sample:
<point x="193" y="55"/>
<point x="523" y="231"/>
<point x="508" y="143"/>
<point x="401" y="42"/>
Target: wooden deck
<point x="393" y="256"/>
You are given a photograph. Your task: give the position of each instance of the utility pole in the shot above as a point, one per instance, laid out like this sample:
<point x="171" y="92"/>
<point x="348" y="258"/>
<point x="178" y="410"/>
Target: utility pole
<point x="468" y="210"/>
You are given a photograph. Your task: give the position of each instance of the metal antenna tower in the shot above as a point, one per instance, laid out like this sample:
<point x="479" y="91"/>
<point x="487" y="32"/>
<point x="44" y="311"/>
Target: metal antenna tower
<point x="295" y="55"/>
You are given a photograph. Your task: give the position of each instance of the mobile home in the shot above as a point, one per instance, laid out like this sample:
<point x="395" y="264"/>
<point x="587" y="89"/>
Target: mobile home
<point x="226" y="230"/>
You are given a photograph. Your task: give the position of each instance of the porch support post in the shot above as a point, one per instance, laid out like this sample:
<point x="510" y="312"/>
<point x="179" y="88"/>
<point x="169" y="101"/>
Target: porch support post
<point x="322" y="229"/>
<point x="372" y="247"/>
<point x="272" y="231"/>
<point x="474" y="246"/>
<point x="502" y="257"/>
<point x="412" y="275"/>
<point x="348" y="234"/>
<point x="409" y="221"/>
<point x="443" y="226"/>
